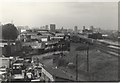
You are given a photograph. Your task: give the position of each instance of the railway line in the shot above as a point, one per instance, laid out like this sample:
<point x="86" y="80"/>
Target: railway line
<point x="104" y="46"/>
<point x="108" y="50"/>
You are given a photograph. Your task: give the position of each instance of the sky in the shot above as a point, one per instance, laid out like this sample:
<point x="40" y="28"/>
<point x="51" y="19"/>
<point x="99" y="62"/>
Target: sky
<point x="64" y="14"/>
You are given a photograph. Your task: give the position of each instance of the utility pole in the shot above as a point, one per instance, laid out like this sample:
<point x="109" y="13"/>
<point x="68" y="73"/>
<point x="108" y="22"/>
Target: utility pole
<point x="77" y="67"/>
<point x="88" y="58"/>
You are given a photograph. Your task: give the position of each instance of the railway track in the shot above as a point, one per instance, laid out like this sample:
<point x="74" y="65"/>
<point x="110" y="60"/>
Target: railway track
<point x="104" y="47"/>
<point x="108" y="50"/>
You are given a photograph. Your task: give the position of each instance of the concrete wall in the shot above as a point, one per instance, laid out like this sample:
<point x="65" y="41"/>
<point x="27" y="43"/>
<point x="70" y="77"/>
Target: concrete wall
<point x="47" y="74"/>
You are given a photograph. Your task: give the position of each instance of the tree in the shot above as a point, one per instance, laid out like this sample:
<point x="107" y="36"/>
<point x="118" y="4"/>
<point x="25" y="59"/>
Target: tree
<point x="9" y="32"/>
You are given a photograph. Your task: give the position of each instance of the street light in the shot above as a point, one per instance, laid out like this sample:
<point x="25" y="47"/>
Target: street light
<point x="88" y="58"/>
<point x="76" y="67"/>
<point x="80" y="48"/>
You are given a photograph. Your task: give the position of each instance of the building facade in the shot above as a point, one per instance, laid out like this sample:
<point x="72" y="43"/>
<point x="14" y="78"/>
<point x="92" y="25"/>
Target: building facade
<point x="52" y="27"/>
<point x="75" y="29"/>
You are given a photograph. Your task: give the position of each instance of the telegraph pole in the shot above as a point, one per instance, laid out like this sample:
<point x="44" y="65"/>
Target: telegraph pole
<point x="77" y="67"/>
<point x="88" y="58"/>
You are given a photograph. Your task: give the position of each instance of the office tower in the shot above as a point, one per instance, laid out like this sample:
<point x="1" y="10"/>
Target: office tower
<point x="46" y="27"/>
<point x="91" y="28"/>
<point x="83" y="27"/>
<point x="75" y="28"/>
<point x="0" y="24"/>
<point x="52" y="27"/>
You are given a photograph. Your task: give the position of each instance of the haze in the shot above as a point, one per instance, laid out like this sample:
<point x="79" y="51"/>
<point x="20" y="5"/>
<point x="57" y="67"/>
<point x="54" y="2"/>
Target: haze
<point x="64" y="14"/>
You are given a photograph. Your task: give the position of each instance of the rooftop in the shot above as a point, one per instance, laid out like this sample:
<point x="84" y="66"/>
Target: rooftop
<point x="59" y="73"/>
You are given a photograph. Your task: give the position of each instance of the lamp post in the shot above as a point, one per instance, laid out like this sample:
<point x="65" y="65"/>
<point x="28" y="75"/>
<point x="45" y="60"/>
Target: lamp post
<point x="87" y="58"/>
<point x="80" y="48"/>
<point x="76" y="67"/>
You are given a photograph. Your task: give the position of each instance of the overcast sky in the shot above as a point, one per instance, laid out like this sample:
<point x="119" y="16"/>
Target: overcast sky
<point x="66" y="14"/>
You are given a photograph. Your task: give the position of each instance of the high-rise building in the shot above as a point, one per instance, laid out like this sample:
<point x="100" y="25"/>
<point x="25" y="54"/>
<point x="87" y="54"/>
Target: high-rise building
<point x="83" y="27"/>
<point x="46" y="27"/>
<point x="0" y="24"/>
<point x="0" y="30"/>
<point x="75" y="28"/>
<point x="91" y="28"/>
<point x="52" y="27"/>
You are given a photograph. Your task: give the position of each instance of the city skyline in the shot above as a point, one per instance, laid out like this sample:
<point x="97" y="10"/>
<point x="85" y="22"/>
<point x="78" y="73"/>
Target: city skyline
<point x="59" y="41"/>
<point x="102" y="15"/>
